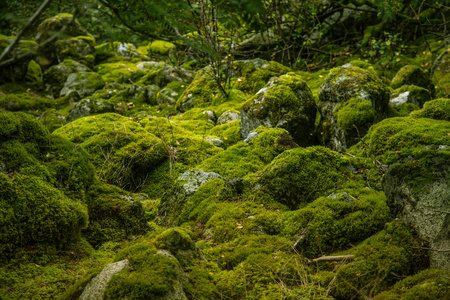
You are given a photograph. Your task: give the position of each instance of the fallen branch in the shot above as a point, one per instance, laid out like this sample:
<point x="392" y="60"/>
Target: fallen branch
<point x="334" y="258"/>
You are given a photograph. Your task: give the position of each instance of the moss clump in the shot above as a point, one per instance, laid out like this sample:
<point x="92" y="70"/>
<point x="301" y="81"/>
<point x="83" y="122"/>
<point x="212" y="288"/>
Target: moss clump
<point x="229" y="133"/>
<point x="336" y="222"/>
<point x="298" y="176"/>
<point x="412" y="75"/>
<point x="379" y="262"/>
<point x="161" y="47"/>
<point x="427" y="285"/>
<point x="34" y="74"/>
<point x="243" y="158"/>
<point x="122" y="150"/>
<point x="26" y="102"/>
<point x="54" y="24"/>
<point x="438" y="109"/>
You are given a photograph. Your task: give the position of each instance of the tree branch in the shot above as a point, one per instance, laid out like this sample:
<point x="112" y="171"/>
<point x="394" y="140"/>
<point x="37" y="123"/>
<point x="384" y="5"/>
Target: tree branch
<point x="334" y="258"/>
<point x="24" y="29"/>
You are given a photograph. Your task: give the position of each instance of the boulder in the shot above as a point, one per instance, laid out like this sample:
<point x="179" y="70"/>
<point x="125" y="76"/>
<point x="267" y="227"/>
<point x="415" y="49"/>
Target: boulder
<point x="340" y="112"/>
<point x="97" y="286"/>
<point x="285" y="102"/>
<point x="80" y="49"/>
<point x="84" y="83"/>
<point x="413" y="75"/>
<point x="438" y="109"/>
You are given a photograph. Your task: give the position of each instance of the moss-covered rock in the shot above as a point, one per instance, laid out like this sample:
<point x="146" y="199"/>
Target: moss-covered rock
<point x="416" y="184"/>
<point x="161" y="47"/>
<point x="244" y="158"/>
<point x="285" y="102"/>
<point x="25" y="102"/>
<point x="341" y="85"/>
<point x="44" y="180"/>
<point x="410" y="94"/>
<point x="297" y="177"/>
<point x="428" y="285"/>
<point x="379" y="262"/>
<point x="438" y="109"/>
<point x="34" y="76"/>
<point x="119" y="72"/>
<point x="121" y="149"/>
<point x="336" y="222"/>
<point x="152" y="273"/>
<point x="413" y="75"/>
<point x="17" y="71"/>
<point x="80" y="49"/>
<point x="88" y="107"/>
<point x="84" y="83"/>
<point x="56" y="76"/>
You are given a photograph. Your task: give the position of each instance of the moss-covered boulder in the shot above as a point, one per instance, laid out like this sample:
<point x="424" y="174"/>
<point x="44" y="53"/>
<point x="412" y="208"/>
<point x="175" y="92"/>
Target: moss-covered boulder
<point x="17" y="71"/>
<point x="44" y="181"/>
<point x="80" y="49"/>
<point x="152" y="274"/>
<point x="228" y="116"/>
<point x="88" y="107"/>
<point x="186" y="185"/>
<point x="121" y="149"/>
<point x="34" y="77"/>
<point x="336" y="222"/>
<point x="84" y="83"/>
<point x="438" y="109"/>
<point x="410" y="94"/>
<point x="378" y="263"/>
<point x="123" y="72"/>
<point x="54" y="26"/>
<point x="56" y="76"/>
<point x="417" y="182"/>
<point x="297" y="177"/>
<point x="341" y="85"/>
<point x="285" y="102"/>
<point x="428" y="285"/>
<point x="413" y="75"/>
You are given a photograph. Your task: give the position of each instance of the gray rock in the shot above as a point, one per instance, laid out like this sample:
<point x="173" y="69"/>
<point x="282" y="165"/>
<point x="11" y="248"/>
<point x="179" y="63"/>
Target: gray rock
<point x="285" y="102"/>
<point x="56" y="76"/>
<point x="216" y="142"/>
<point x="210" y="115"/>
<point x="85" y="83"/>
<point x="250" y="136"/>
<point x="97" y="286"/>
<point x="167" y="96"/>
<point x="125" y="49"/>
<point x="426" y="209"/>
<point x="177" y="74"/>
<point x="227" y="117"/>
<point x="410" y="94"/>
<point x="87" y="107"/>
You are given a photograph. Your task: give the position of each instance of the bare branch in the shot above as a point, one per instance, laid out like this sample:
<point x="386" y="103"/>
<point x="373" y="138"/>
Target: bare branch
<point x="334" y="258"/>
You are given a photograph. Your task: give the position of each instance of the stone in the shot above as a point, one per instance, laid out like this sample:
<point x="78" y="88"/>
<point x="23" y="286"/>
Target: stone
<point x="87" y="107"/>
<point x="250" y="136"/>
<point x="410" y="94"/>
<point x="97" y="286"/>
<point x="85" y="83"/>
<point x="216" y="142"/>
<point x="167" y="96"/>
<point x="413" y="75"/>
<point x="227" y="117"/>
<point x="350" y="96"/>
<point x="285" y="102"/>
<point x="80" y="49"/>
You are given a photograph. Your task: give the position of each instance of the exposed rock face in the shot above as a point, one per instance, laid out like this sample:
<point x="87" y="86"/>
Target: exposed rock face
<point x="187" y="184"/>
<point x="413" y="75"/>
<point x="227" y="117"/>
<point x="341" y="85"/>
<point x="426" y="207"/>
<point x="97" y="286"/>
<point x="285" y="102"/>
<point x="84" y="83"/>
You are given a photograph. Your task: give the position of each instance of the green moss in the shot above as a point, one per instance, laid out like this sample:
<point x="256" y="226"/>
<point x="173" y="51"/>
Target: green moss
<point x="438" y="109"/>
<point x="417" y="95"/>
<point x="314" y="80"/>
<point x="34" y="74"/>
<point x="243" y="158"/>
<point x="428" y="284"/>
<point x="120" y="72"/>
<point x="160" y="47"/>
<point x="201" y="92"/>
<point x="379" y="262"/>
<point x="25" y="102"/>
<point x="229" y="133"/>
<point x="79" y="48"/>
<point x="121" y="149"/>
<point x="336" y="222"/>
<point x="301" y="175"/>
